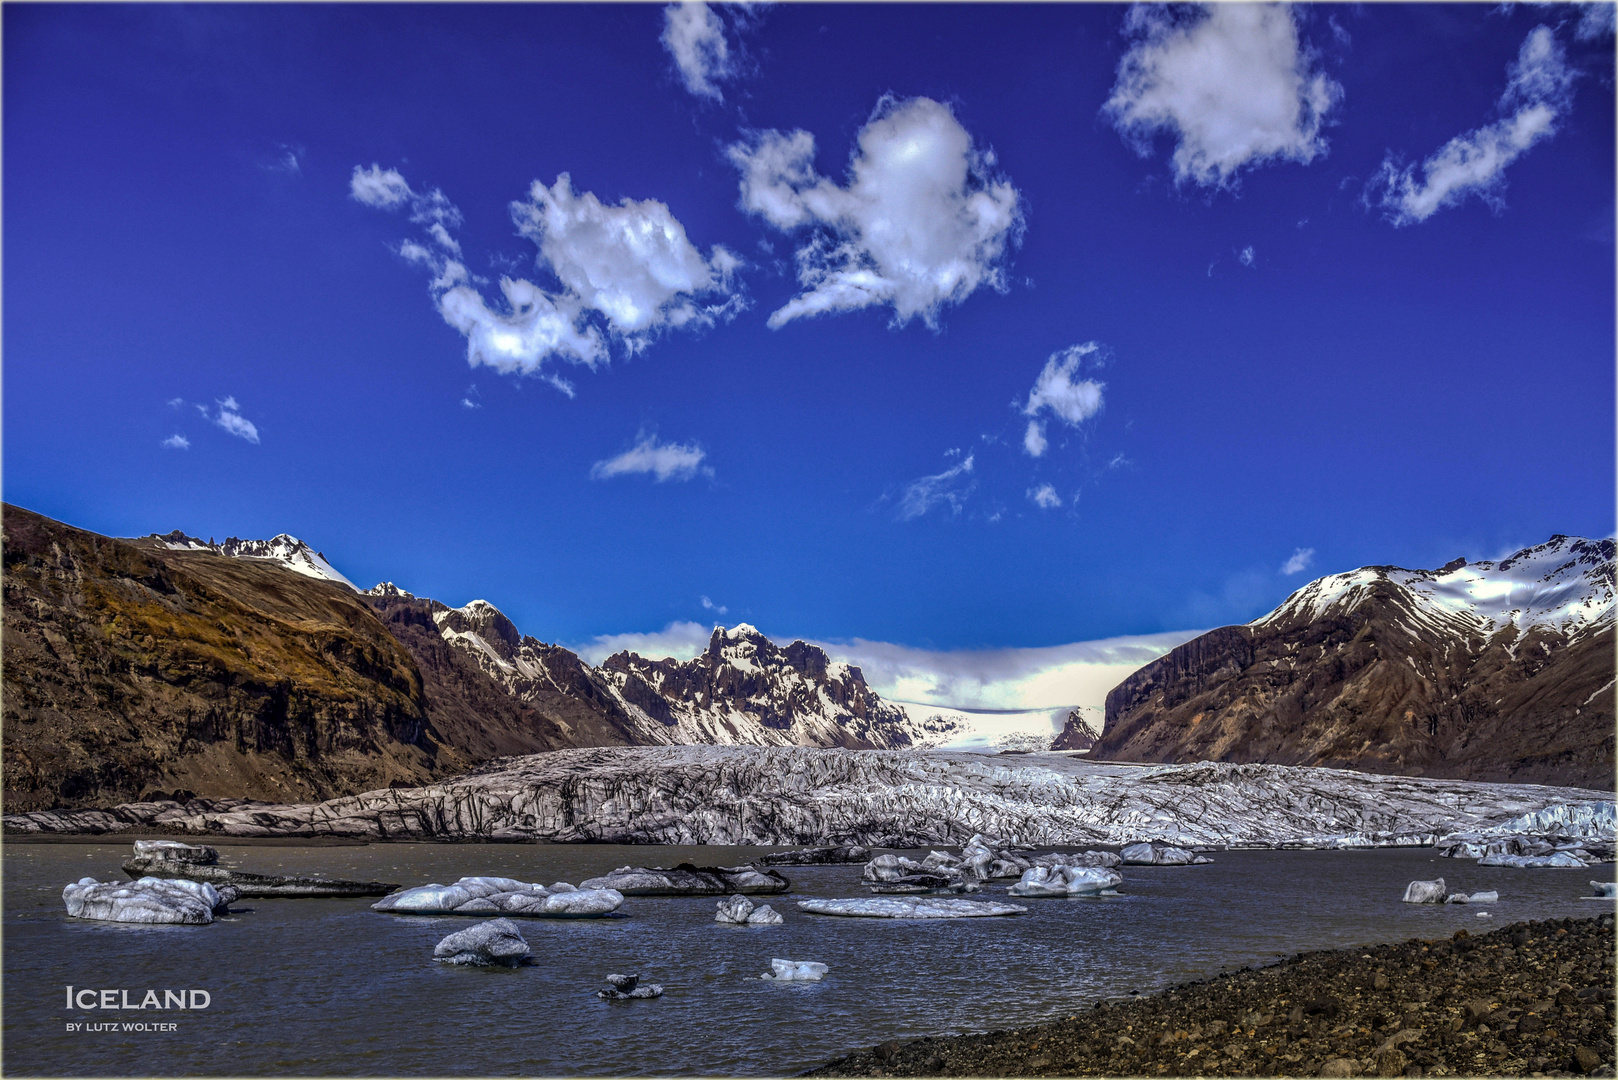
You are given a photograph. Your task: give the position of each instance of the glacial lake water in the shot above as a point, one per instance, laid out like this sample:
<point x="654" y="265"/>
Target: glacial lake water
<point x="323" y="987"/>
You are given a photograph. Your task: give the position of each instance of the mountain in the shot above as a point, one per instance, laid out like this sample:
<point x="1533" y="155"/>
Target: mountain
<point x="1078" y="733"/>
<point x="142" y="666"/>
<point x="285" y="551"/>
<point x="1486" y="670"/>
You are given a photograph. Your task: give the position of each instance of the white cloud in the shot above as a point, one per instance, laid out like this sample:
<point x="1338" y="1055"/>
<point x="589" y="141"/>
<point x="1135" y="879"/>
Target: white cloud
<point x="695" y="38"/>
<point x="230" y="419"/>
<point x="1246" y="256"/>
<point x="717" y="609"/>
<point x="924" y="494"/>
<point x="665" y="461"/>
<point x="627" y="271"/>
<point x="1596" y="20"/>
<point x="923" y="221"/>
<point x="1080" y="673"/>
<point x="382" y="188"/>
<point x="1230" y="81"/>
<point x="177" y="442"/>
<point x="631" y="262"/>
<point x="1057" y="389"/>
<point x="1299" y="561"/>
<point x="679" y="640"/>
<point x="1538" y="94"/>
<point x="1033" y="439"/>
<point x="175" y="403"/>
<point x="1045" y="497"/>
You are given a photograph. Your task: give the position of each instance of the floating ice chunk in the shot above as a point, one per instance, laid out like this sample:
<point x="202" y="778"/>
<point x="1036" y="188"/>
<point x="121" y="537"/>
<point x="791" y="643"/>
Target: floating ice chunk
<point x="1605" y="890"/>
<point x="795" y="971"/>
<point x="1425" y="892"/>
<point x="498" y="895"/>
<point x="497" y="942"/>
<point x="625" y="987"/>
<point x="1559" y="859"/>
<point x="1484" y="915"/>
<point x="1157" y="854"/>
<point x="910" y="907"/>
<point x="1490" y="897"/>
<point x="1106" y="859"/>
<point x="174" y="851"/>
<point x="1066" y="881"/>
<point x="740" y="911"/>
<point x="818" y="856"/>
<point x="688" y="880"/>
<point x="893" y="867"/>
<point x="147" y="900"/>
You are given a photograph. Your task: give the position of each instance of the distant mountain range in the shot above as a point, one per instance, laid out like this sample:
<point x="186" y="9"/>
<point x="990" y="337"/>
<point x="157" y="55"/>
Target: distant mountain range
<point x="168" y="664"/>
<point x="1487" y="671"/>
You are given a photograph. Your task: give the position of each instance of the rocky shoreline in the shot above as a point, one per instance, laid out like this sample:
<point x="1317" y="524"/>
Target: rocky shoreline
<point x="1529" y="999"/>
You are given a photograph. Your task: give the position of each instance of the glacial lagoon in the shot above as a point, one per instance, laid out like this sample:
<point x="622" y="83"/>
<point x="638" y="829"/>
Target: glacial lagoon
<point x="321" y="987"/>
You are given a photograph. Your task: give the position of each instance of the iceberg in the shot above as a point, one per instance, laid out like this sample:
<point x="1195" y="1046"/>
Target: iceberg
<point x="497" y="942"/>
<point x="1490" y="897"/>
<point x="818" y="856"/>
<point x="1066" y="881"/>
<point x="1604" y="890"/>
<point x="148" y="900"/>
<point x="625" y="987"/>
<point x="795" y="971"/>
<point x="1563" y="859"/>
<point x="688" y="880"/>
<point x="1160" y="854"/>
<point x="174" y="851"/>
<point x="502" y="896"/>
<point x="740" y="911"/>
<point x="910" y="907"/>
<point x="1425" y="892"/>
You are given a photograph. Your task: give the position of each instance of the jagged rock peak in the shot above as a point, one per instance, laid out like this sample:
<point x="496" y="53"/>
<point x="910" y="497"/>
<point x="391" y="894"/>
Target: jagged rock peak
<point x="387" y="590"/>
<point x="484" y="622"/>
<point x="283" y="549"/>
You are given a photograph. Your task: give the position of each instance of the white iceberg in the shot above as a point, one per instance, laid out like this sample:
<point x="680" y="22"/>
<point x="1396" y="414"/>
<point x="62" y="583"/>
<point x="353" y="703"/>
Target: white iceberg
<point x="497" y="942"/>
<point x="174" y="851"/>
<point x="1604" y="890"/>
<point x="1066" y="881"/>
<point x="1158" y="854"/>
<point x="795" y="971"/>
<point x="147" y="900"/>
<point x="740" y="911"/>
<point x="1561" y="859"/>
<point x="502" y="896"/>
<point x="1490" y="897"/>
<point x="910" y="907"/>
<point x="1425" y="892"/>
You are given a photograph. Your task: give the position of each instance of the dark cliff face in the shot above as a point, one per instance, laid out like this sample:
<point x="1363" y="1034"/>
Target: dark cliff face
<point x="1379" y="689"/>
<point x="132" y="669"/>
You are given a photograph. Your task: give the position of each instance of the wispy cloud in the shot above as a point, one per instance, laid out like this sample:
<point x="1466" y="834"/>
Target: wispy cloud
<point x="1539" y="92"/>
<point x="1246" y="257"/>
<point x="229" y="417"/>
<point x="1059" y="391"/>
<point x="717" y="609"/>
<point x="177" y="442"/>
<point x="946" y="487"/>
<point x="923" y="222"/>
<point x="1596" y="20"/>
<point x="628" y="273"/>
<point x="663" y="461"/>
<point x="1230" y="81"/>
<point x="288" y="159"/>
<point x="1045" y="497"/>
<point x="1299" y="561"/>
<point x="680" y="640"/>
<point x="695" y="38"/>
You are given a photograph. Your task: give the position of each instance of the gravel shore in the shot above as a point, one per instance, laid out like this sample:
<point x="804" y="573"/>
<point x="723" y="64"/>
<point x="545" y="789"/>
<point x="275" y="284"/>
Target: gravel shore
<point x="1529" y="999"/>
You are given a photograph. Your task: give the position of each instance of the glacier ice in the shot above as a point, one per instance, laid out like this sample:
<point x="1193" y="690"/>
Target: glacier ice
<point x="147" y="900"/>
<point x="174" y="851"/>
<point x="625" y="987"/>
<point x="688" y="880"/>
<point x="741" y="911"/>
<point x="498" y="895"/>
<point x="1490" y="897"/>
<point x="497" y="942"/>
<point x="1425" y="892"/>
<point x="1066" y="881"/>
<point x="1159" y="854"/>
<point x="795" y="971"/>
<point x="1560" y="859"/>
<point x="1605" y="890"/>
<point x="910" y="907"/>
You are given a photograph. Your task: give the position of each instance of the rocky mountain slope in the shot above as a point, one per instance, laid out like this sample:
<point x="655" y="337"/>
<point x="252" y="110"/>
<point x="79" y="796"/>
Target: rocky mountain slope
<point x="135" y="666"/>
<point x="1489" y="670"/>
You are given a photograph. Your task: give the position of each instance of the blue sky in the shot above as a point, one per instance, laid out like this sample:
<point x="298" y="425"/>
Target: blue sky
<point x="950" y="327"/>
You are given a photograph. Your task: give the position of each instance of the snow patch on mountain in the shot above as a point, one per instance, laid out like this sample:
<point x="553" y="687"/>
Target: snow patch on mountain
<point x="1565" y="585"/>
<point x="984" y="730"/>
<point x="285" y="551"/>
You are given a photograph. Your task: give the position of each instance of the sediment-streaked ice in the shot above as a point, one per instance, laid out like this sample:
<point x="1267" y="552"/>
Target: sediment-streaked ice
<point x="1066" y="881"/>
<point x="497" y="896"/>
<point x="910" y="907"/>
<point x="497" y="942"/>
<point x="147" y="900"/>
<point x="1425" y="892"/>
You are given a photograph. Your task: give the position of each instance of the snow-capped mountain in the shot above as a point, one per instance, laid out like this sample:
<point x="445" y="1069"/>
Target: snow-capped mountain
<point x="283" y="550"/>
<point x="1484" y="670"/>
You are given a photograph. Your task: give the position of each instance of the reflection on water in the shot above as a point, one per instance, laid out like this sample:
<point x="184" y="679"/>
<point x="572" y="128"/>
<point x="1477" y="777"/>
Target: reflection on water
<point x="313" y="987"/>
